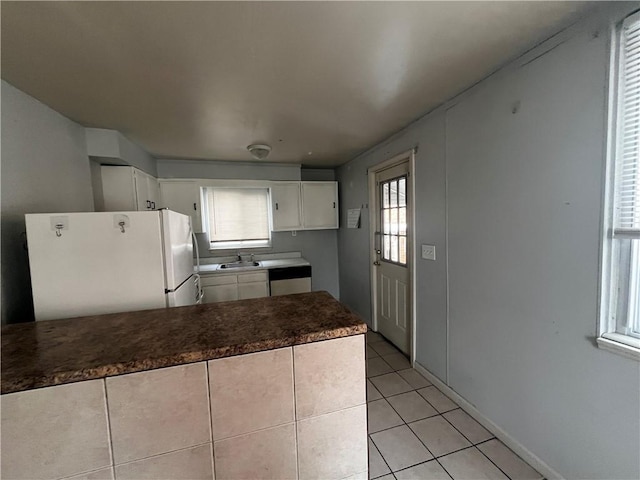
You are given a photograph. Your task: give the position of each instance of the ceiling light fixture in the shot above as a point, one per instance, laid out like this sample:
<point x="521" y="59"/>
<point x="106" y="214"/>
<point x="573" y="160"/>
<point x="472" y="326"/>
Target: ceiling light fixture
<point x="258" y="151"/>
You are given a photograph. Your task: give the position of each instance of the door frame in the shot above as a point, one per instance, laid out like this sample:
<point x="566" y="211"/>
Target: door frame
<point x="410" y="156"/>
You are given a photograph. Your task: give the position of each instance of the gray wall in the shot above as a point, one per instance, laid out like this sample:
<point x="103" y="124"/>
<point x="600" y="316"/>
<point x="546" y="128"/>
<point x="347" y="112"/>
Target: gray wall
<point x="110" y="147"/>
<point x="227" y="170"/>
<point x="44" y="169"/>
<point x="429" y="201"/>
<point x="320" y="247"/>
<point x="523" y="197"/>
<point x="317" y="174"/>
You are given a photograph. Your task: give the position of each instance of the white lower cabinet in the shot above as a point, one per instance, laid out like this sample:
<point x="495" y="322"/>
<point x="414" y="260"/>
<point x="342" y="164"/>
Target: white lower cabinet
<point x="223" y="287"/>
<point x="252" y="290"/>
<point x="220" y="293"/>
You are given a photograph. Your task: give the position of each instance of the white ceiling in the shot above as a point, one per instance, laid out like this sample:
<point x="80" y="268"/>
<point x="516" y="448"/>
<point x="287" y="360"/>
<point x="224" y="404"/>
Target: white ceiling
<point x="203" y="80"/>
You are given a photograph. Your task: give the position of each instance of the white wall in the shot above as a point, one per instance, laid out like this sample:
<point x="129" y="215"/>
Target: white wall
<point x="523" y="197"/>
<point x="45" y="168"/>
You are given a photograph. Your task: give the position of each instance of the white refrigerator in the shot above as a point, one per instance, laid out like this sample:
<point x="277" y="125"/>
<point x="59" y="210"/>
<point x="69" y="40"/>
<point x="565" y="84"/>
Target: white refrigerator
<point x="107" y="262"/>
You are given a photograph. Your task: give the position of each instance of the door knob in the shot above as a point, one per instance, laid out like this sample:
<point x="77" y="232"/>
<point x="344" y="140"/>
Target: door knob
<point x="376" y="263"/>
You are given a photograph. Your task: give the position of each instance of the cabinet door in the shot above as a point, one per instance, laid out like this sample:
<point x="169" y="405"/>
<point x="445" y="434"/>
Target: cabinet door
<point x="220" y="293"/>
<point x="285" y="206"/>
<point x="153" y="191"/>
<point x="183" y="197"/>
<point x="142" y="190"/>
<point x="252" y="290"/>
<point x="118" y="188"/>
<point x="320" y="205"/>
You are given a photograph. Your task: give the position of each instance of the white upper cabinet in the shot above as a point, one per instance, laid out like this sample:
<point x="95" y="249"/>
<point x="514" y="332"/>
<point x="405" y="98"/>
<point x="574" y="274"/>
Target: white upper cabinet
<point x="319" y="205"/>
<point x="286" y="206"/>
<point x="127" y="188"/>
<point x="183" y="197"/>
<point x="304" y="205"/>
<point x="153" y="192"/>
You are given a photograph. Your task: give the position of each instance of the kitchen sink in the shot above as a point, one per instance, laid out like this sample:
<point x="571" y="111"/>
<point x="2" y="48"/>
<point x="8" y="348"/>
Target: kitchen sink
<point x="226" y="266"/>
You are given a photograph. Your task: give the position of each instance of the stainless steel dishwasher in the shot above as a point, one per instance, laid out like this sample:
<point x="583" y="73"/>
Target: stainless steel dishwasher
<point x="284" y="281"/>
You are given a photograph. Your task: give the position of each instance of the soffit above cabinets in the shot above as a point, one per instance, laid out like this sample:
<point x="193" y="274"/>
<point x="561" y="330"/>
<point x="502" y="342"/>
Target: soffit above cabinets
<point x="202" y="80"/>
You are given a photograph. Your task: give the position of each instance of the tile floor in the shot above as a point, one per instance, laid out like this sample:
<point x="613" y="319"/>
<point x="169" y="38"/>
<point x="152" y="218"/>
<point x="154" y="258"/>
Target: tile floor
<point x="417" y="432"/>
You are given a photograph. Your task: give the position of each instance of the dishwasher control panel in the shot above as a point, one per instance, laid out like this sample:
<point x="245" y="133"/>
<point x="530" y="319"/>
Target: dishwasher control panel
<point x="285" y="281"/>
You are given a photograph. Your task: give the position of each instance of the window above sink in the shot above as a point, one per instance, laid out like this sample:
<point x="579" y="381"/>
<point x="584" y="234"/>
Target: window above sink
<point x="237" y="217"/>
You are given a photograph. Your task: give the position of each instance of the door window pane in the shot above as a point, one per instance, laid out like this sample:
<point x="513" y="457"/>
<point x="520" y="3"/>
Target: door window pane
<point x="385" y="195"/>
<point x="402" y="192"/>
<point x="393" y="187"/>
<point x="386" y="251"/>
<point x="403" y="250"/>
<point x="386" y="225"/>
<point x="394" y="248"/>
<point x="394" y="220"/>
<point x="402" y="221"/>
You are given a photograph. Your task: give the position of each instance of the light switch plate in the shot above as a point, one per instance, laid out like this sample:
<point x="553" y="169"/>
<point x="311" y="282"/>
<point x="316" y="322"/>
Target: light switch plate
<point x="429" y="252"/>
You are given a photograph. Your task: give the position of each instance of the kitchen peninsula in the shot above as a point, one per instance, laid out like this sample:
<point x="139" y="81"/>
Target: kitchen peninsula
<point x="265" y="388"/>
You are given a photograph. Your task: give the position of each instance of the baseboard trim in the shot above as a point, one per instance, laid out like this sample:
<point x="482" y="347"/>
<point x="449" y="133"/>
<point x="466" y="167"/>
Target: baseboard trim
<point x="503" y="436"/>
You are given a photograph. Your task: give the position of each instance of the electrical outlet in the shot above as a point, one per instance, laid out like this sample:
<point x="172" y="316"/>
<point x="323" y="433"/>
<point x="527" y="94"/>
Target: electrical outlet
<point x="429" y="252"/>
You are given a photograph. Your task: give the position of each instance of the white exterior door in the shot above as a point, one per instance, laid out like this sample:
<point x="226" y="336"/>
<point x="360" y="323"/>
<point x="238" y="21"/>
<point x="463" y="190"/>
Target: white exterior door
<point x="392" y="256"/>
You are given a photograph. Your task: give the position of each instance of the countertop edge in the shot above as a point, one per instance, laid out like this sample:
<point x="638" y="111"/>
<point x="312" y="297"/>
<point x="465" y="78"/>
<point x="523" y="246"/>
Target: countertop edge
<point x="125" y="368"/>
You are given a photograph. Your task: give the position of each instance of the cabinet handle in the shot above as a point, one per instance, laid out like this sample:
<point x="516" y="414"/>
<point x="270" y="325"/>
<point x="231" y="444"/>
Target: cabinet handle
<point x="334" y="204"/>
<point x="153" y="205"/>
<point x="194" y="207"/>
<point x="276" y="206"/>
<point x="148" y="203"/>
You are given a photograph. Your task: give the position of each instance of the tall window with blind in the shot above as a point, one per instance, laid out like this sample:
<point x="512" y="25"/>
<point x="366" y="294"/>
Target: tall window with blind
<point x="238" y="217"/>
<point x="620" y="321"/>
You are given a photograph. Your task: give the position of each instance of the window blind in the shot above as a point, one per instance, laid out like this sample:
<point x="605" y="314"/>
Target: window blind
<point x="627" y="196"/>
<point x="238" y="214"/>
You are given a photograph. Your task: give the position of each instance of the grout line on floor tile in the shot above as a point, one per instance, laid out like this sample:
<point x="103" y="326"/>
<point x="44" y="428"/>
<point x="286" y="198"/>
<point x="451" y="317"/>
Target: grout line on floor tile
<point x="381" y="456"/>
<point x="414" y="434"/>
<point x="458" y="430"/>
<point x="487" y="440"/>
<point x="456" y="451"/>
<point x="419" y="439"/>
<point x="436" y="458"/>
<point x="422" y="463"/>
<point x="487" y="457"/>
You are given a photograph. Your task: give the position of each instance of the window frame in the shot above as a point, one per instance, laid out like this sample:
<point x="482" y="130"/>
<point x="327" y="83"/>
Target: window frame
<point x="235" y="246"/>
<point x="390" y="234"/>
<point x="612" y="335"/>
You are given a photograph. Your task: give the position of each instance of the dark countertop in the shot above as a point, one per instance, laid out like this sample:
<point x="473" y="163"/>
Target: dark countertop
<point x="54" y="352"/>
